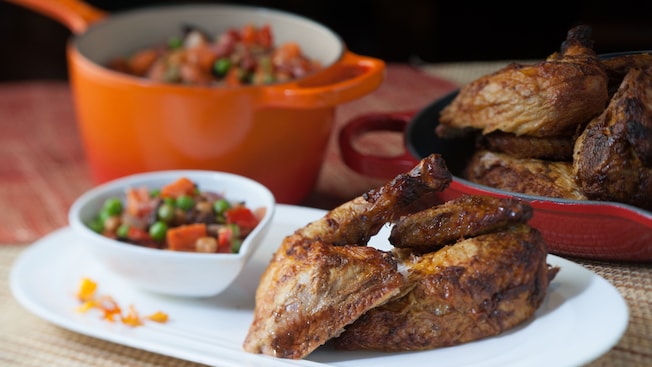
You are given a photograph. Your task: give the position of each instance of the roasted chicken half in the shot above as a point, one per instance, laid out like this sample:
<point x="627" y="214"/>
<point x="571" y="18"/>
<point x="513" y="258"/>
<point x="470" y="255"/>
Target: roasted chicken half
<point x="324" y="282"/>
<point x="323" y="277"/>
<point x="547" y="99"/>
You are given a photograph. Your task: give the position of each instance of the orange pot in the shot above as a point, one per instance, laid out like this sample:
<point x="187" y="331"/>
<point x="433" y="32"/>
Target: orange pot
<point x="276" y="134"/>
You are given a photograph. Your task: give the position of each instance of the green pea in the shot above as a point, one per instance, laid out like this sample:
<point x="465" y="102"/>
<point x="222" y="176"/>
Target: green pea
<point x="222" y="66"/>
<point x="104" y="215"/>
<point x="112" y="206"/>
<point x="175" y="42"/>
<point x="185" y="202"/>
<point x="154" y="193"/>
<point x="122" y="231"/>
<point x="220" y="206"/>
<point x="96" y="225"/>
<point x="265" y="64"/>
<point x="235" y="231"/>
<point x="158" y="230"/>
<point x="165" y="212"/>
<point x="269" y="79"/>
<point x="235" y="245"/>
<point x="169" y="201"/>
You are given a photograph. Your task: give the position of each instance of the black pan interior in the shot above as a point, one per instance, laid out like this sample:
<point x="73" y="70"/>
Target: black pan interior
<point x="421" y="140"/>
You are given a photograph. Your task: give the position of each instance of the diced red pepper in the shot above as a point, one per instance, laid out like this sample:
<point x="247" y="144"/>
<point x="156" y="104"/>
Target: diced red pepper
<point x="138" y="235"/>
<point x="139" y="203"/>
<point x="242" y="216"/>
<point x="265" y="36"/>
<point x="224" y="239"/>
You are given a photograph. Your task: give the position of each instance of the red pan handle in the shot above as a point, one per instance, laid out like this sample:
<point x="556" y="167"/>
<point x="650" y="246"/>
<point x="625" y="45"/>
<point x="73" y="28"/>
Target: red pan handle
<point x="375" y="165"/>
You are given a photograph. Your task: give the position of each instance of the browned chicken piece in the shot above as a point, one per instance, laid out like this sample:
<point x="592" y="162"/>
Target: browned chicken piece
<point x="323" y="277"/>
<point x="311" y="291"/>
<point x="464" y="217"/>
<point x="524" y="175"/>
<point x="474" y="289"/>
<point x="549" y="98"/>
<point x="617" y="67"/>
<point x="613" y="156"/>
<point x="555" y="148"/>
<point x="356" y="221"/>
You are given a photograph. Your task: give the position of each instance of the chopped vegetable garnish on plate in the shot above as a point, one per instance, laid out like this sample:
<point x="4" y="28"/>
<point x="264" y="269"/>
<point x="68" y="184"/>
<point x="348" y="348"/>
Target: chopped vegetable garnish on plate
<point x="111" y="310"/>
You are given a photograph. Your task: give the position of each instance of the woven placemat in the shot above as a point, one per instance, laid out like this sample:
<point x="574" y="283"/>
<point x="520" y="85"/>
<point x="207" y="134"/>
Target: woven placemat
<point x="27" y="340"/>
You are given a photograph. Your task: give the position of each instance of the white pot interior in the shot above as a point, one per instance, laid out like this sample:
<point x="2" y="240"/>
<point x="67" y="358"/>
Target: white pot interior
<point x="123" y="33"/>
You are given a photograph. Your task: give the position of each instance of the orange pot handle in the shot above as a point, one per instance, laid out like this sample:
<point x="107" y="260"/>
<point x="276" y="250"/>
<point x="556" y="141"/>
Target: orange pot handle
<point x="351" y="77"/>
<point x="76" y="15"/>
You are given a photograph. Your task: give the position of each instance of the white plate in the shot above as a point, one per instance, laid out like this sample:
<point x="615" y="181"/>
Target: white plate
<point x="582" y="317"/>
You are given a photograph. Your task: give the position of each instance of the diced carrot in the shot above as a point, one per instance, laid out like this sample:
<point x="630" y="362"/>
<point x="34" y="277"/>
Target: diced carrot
<point x="248" y="34"/>
<point x="142" y="61"/>
<point x="232" y="77"/>
<point x="285" y="52"/>
<point x="182" y="186"/>
<point x="132" y="318"/>
<point x="183" y="238"/>
<point x="87" y="290"/>
<point x="158" y="316"/>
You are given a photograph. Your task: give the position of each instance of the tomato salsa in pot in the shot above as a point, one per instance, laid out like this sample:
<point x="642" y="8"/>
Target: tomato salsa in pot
<point x="245" y="56"/>
<point x="177" y="217"/>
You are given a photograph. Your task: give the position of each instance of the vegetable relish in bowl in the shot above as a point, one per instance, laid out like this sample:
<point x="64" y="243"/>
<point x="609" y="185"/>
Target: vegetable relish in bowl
<point x="245" y="56"/>
<point x="179" y="216"/>
<point x="187" y="233"/>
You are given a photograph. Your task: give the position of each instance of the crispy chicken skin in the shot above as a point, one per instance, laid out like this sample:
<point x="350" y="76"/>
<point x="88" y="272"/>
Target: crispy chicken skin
<point x="613" y="156"/>
<point x="550" y="98"/>
<point x="311" y="290"/>
<point x="464" y="217"/>
<point x="524" y="175"/>
<point x="476" y="288"/>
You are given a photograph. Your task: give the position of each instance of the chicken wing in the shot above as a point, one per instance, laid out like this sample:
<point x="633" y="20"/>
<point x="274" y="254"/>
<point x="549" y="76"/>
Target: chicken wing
<point x="613" y="156"/>
<point x="356" y="221"/>
<point x="550" y="98"/>
<point x="474" y="289"/>
<point x="467" y="216"/>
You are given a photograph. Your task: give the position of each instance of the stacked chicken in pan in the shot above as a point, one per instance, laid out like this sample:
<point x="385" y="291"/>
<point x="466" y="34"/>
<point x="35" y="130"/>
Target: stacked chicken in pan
<point x="573" y="126"/>
<point x="458" y="271"/>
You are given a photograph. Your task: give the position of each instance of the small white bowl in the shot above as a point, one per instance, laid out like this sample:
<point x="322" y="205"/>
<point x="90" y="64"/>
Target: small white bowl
<point x="167" y="272"/>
